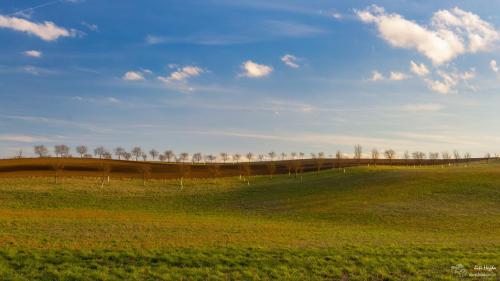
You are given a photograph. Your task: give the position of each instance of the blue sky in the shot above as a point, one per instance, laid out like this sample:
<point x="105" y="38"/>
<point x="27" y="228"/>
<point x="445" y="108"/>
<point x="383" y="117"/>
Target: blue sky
<point x="238" y="76"/>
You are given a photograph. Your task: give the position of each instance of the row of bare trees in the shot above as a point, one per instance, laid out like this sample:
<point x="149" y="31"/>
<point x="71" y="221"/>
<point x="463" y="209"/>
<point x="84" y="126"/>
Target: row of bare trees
<point x="137" y="153"/>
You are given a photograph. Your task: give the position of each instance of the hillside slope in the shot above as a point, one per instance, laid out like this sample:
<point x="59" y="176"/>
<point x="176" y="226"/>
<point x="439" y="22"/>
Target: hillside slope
<point x="371" y="222"/>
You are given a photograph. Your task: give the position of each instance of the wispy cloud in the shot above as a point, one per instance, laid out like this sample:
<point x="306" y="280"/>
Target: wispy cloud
<point x="259" y="31"/>
<point x="23" y="138"/>
<point x="57" y="122"/>
<point x="292" y="29"/>
<point x="33" y="53"/>
<point x="35" y="70"/>
<point x="290" y="60"/>
<point x="90" y="26"/>
<point x="201" y="39"/>
<point x="423" y="107"/>
<point x="47" y="31"/>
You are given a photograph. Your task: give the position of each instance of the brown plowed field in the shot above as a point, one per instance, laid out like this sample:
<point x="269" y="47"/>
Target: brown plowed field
<point x="91" y="167"/>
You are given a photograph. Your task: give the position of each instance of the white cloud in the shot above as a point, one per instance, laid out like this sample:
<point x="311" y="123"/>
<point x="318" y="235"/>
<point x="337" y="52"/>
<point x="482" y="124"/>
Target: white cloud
<point x="479" y="34"/>
<point x="182" y="74"/>
<point x="33" y="53"/>
<point x="450" y="34"/>
<point x="179" y="79"/>
<point x="419" y="69"/>
<point x="133" y="76"/>
<point x="255" y="70"/>
<point x="290" y="60"/>
<point x="449" y="81"/>
<point x="337" y="16"/>
<point x="398" y="76"/>
<point x="377" y="76"/>
<point x="493" y="66"/>
<point x="47" y="30"/>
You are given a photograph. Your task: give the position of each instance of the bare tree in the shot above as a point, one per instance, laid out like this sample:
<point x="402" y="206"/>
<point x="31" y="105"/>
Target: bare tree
<point x="301" y="154"/>
<point x="467" y="157"/>
<point x="247" y="171"/>
<point x="272" y="155"/>
<point x="65" y="150"/>
<point x="320" y="160"/>
<point x="433" y="156"/>
<point x="58" y="167"/>
<point x="162" y="157"/>
<point x="456" y="155"/>
<point x="61" y="150"/>
<point x="487" y="156"/>
<point x="154" y="153"/>
<point x="338" y="156"/>
<point x="293" y="155"/>
<point x="214" y="169"/>
<point x="137" y="152"/>
<point x="406" y="156"/>
<point x="183" y="157"/>
<point x="211" y="158"/>
<point x="169" y="154"/>
<point x="224" y="156"/>
<point x="271" y="168"/>
<point x="390" y="154"/>
<point x="105" y="169"/>
<point x="358" y="152"/>
<point x="127" y="156"/>
<point x="119" y="151"/>
<point x="289" y="165"/>
<point x="146" y="171"/>
<point x="236" y="157"/>
<point x="19" y="154"/>
<point x="107" y="155"/>
<point x="298" y="167"/>
<point x="185" y="169"/>
<point x="249" y="156"/>
<point x="144" y="156"/>
<point x="283" y="155"/>
<point x="419" y="156"/>
<point x="375" y="156"/>
<point x="197" y="157"/>
<point x="446" y="156"/>
<point x="57" y="150"/>
<point x="260" y="157"/>
<point x="82" y="150"/>
<point x="99" y="151"/>
<point x="41" y="150"/>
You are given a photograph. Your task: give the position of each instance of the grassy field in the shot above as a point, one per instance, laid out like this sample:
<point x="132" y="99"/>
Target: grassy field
<point x="370" y="223"/>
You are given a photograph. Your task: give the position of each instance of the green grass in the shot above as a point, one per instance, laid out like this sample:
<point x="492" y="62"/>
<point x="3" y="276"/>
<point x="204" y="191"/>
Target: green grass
<point x="371" y="223"/>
